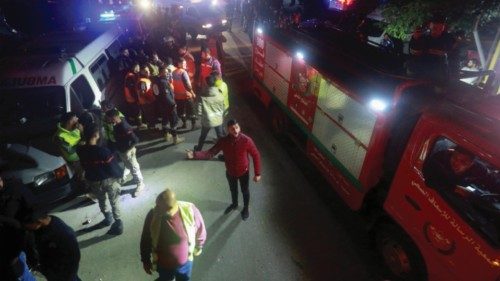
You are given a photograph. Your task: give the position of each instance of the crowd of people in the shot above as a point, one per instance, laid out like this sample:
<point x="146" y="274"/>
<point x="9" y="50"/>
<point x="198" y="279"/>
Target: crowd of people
<point x="163" y="85"/>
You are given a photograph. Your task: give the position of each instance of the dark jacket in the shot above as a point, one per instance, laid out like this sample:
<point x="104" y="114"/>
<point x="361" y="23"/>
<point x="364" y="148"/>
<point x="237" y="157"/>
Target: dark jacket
<point x="166" y="92"/>
<point x="99" y="163"/>
<point x="125" y="137"/>
<point x="58" y="251"/>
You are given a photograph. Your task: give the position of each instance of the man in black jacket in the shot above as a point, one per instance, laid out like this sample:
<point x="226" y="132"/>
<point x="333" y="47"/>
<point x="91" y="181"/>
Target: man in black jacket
<point x="102" y="174"/>
<point x="57" y="247"/>
<point x="126" y="140"/>
<point x="168" y="107"/>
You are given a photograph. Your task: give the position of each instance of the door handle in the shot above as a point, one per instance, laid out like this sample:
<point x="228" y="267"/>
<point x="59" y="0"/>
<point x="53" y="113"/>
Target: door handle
<point x="413" y="203"/>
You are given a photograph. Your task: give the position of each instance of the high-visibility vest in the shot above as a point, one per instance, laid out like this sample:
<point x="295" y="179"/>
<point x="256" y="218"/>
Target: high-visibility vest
<point x="109" y="133"/>
<point x="130" y="79"/>
<point x="71" y="139"/>
<point x="222" y="86"/>
<point x="180" y="91"/>
<point x="187" y="215"/>
<point x="146" y="95"/>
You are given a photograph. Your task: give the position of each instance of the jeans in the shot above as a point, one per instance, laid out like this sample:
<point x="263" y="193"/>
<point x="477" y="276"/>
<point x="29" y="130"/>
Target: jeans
<point x="233" y="187"/>
<point x="181" y="273"/>
<point x="129" y="158"/>
<point x="219" y="131"/>
<point x="111" y="188"/>
<point x="169" y="117"/>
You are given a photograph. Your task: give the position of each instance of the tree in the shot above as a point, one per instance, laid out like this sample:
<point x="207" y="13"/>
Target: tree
<point x="403" y="16"/>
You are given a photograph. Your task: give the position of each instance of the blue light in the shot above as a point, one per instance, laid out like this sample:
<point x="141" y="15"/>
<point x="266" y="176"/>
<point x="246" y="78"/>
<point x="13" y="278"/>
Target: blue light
<point x="108" y="16"/>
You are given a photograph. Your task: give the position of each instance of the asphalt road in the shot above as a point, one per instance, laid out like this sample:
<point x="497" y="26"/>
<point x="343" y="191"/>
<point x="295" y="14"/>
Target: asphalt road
<point x="297" y="229"/>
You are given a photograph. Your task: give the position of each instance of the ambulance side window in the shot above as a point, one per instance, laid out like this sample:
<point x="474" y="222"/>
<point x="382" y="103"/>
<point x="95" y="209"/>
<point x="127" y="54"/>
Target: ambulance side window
<point x="76" y="104"/>
<point x="83" y="91"/>
<point x="100" y="72"/>
<point x="470" y="185"/>
<point x="114" y="50"/>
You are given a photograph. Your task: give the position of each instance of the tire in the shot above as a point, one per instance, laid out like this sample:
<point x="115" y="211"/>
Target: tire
<point x="400" y="255"/>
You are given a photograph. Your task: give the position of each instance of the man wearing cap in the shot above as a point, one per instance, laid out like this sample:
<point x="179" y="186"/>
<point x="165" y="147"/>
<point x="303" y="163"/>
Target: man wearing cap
<point x="173" y="233"/>
<point x="236" y="147"/>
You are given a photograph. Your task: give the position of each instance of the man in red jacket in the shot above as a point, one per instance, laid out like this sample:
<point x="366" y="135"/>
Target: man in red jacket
<point x="236" y="147"/>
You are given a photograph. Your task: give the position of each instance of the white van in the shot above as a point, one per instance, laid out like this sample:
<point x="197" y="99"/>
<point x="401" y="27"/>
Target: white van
<point x="59" y="72"/>
<point x="53" y="74"/>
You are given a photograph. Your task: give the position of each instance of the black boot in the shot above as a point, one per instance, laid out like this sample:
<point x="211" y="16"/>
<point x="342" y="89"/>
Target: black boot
<point x="245" y="214"/>
<point x="116" y="228"/>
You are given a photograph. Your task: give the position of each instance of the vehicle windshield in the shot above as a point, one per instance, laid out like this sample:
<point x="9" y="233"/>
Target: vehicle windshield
<point x="31" y="105"/>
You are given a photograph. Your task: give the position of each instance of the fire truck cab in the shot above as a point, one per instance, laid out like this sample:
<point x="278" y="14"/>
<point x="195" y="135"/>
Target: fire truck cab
<point x="377" y="136"/>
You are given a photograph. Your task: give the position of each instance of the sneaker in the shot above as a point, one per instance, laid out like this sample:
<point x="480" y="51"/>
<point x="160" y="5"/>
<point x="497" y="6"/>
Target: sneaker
<point x="230" y="208"/>
<point x="178" y="140"/>
<point x="138" y="189"/>
<point x="168" y="137"/>
<point x="142" y="126"/>
<point x="116" y="228"/>
<point x="244" y="214"/>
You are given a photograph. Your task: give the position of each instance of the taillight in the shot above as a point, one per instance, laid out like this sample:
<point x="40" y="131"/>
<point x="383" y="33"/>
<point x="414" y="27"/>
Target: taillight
<point x="60" y="172"/>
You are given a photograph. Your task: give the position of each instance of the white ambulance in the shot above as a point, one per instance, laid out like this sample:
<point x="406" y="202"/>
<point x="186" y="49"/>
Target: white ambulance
<point x="53" y="74"/>
<point x="57" y="73"/>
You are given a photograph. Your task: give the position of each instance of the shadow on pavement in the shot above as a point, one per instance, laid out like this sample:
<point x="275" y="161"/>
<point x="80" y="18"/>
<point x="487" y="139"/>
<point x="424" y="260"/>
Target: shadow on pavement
<point x="89" y="229"/>
<point x="211" y="205"/>
<point x="94" y="240"/>
<point x="214" y="246"/>
<point x="150" y="150"/>
<point x="76" y="203"/>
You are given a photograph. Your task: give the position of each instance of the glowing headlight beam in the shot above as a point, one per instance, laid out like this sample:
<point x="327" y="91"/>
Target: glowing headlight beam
<point x="378" y="105"/>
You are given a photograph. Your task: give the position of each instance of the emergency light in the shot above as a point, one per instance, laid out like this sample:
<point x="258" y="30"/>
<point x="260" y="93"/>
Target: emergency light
<point x="144" y="4"/>
<point x="378" y="105"/>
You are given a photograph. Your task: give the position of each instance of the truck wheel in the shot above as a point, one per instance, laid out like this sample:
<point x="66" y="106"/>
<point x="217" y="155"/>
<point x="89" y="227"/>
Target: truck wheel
<point x="400" y="254"/>
<point x="279" y="121"/>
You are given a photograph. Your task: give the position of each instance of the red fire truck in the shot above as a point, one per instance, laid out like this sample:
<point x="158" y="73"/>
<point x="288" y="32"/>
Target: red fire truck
<point x="372" y="133"/>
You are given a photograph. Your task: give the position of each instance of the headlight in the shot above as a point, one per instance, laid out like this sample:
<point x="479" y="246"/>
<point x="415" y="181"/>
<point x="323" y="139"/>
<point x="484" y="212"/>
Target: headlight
<point x="378" y="105"/>
<point x="224" y="21"/>
<point x="43" y="179"/>
<point x="48" y="177"/>
<point x="207" y="26"/>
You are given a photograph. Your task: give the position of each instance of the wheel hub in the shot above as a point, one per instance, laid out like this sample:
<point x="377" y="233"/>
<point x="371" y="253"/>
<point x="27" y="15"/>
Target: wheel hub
<point x="396" y="258"/>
